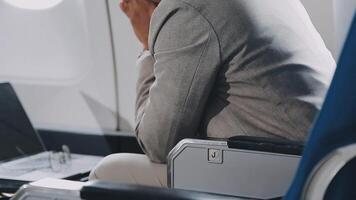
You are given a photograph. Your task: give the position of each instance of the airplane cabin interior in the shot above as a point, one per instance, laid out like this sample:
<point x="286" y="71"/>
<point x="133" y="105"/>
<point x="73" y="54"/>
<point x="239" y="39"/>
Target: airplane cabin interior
<point x="70" y="79"/>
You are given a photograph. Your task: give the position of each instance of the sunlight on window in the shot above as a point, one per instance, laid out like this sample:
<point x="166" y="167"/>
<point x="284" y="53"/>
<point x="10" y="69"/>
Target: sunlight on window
<point x="34" y="4"/>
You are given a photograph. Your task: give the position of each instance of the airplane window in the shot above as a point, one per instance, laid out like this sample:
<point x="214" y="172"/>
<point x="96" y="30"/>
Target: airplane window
<point x="34" y="4"/>
<point x="60" y="61"/>
<point x="43" y="45"/>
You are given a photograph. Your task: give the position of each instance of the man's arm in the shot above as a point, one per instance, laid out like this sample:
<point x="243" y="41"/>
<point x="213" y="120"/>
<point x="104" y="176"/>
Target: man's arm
<point x="186" y="59"/>
<point x="146" y="77"/>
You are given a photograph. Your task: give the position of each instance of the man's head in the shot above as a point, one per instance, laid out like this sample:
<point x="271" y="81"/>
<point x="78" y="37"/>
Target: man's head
<point x="156" y="1"/>
<point x="139" y="12"/>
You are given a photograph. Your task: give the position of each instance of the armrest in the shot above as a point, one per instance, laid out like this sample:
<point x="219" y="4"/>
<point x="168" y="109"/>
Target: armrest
<point x="266" y="145"/>
<point x="49" y="189"/>
<point x="99" y="190"/>
<point x="69" y="190"/>
<point x="242" y="166"/>
<point x="327" y="170"/>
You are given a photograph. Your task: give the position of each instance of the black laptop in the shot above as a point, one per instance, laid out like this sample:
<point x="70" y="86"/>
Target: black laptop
<point x="23" y="156"/>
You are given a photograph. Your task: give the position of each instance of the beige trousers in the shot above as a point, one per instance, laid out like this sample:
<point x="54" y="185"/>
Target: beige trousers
<point x="130" y="169"/>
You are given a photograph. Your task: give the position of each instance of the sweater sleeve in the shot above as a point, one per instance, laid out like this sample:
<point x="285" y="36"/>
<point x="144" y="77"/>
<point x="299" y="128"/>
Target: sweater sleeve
<point x="172" y="94"/>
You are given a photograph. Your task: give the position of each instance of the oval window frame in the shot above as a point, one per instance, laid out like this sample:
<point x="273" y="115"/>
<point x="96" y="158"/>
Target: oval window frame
<point x="34" y="4"/>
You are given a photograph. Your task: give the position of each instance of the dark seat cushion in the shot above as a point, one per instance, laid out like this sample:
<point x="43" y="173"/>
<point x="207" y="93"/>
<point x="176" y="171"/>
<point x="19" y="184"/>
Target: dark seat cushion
<point x="99" y="190"/>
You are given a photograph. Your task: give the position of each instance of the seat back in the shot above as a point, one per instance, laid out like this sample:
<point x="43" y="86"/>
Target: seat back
<point x="336" y="124"/>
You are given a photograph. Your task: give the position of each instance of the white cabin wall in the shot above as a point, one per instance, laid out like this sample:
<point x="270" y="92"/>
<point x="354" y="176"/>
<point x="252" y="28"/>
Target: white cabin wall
<point x="332" y="19"/>
<point x="61" y="63"/>
<point x="321" y="13"/>
<point x="127" y="48"/>
<point x="344" y="11"/>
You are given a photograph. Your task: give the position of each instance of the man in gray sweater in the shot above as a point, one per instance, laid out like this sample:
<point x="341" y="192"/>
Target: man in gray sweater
<point x="220" y="68"/>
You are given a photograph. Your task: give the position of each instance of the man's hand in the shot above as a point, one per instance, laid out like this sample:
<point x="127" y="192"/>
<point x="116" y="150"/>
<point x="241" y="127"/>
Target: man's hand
<point x="139" y="12"/>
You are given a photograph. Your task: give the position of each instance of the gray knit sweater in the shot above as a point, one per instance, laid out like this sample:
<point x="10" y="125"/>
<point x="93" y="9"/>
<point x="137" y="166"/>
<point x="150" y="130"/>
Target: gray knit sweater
<point x="221" y="68"/>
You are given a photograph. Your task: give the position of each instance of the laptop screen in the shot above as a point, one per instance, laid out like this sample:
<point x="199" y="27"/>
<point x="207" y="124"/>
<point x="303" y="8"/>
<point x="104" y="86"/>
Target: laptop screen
<point x="17" y="136"/>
